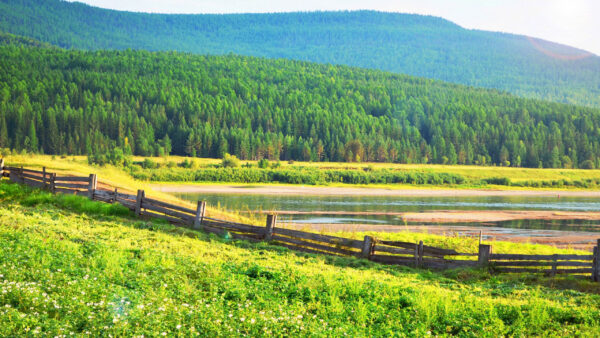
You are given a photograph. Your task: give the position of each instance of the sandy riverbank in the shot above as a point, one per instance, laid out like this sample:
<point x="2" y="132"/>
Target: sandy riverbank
<point x="360" y="191"/>
<point x="458" y="216"/>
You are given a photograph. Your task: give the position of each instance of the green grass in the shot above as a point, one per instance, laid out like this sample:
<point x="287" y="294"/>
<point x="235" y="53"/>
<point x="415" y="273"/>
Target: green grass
<point x="365" y="174"/>
<point x="70" y="265"/>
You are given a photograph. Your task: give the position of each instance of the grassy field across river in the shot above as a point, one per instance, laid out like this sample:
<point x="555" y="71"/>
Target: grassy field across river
<point x="380" y="175"/>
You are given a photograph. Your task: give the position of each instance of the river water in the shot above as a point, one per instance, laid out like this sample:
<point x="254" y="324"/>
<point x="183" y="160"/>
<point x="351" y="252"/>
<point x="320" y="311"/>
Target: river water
<point x="396" y="204"/>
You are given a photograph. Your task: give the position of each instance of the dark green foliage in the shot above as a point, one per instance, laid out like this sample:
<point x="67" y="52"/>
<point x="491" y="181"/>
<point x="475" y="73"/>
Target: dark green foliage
<point x="114" y="156"/>
<point x="296" y="176"/>
<point x="411" y="44"/>
<point x="76" y="102"/>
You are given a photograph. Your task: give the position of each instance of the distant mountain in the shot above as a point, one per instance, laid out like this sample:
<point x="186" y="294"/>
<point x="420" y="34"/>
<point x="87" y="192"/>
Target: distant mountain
<point x="412" y="44"/>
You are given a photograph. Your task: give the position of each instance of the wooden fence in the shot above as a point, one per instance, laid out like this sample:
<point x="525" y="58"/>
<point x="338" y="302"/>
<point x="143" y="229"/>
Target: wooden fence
<point x="386" y="252"/>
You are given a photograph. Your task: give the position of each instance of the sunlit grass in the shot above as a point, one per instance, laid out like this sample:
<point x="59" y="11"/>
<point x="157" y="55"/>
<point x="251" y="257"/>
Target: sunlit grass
<point x="116" y="177"/>
<point x="78" y="269"/>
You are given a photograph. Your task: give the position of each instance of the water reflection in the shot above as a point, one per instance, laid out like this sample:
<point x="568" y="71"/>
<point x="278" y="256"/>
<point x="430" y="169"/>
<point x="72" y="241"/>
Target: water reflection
<point x="256" y="202"/>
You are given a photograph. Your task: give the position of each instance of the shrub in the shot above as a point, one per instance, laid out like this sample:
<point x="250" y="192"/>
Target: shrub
<point x="263" y="163"/>
<point x="587" y="164"/>
<point x="497" y="180"/>
<point x="230" y="161"/>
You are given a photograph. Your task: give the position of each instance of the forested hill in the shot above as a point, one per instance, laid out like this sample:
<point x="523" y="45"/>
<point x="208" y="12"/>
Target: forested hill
<point x="150" y="103"/>
<point x="410" y="44"/>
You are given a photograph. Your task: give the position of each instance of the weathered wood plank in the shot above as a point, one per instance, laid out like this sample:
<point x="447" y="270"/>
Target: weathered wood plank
<point x="71" y="185"/>
<point x="306" y="250"/>
<point x="24" y="170"/>
<point x="168" y="205"/>
<point x="165" y="217"/>
<point x="351" y="243"/>
<point x="495" y="257"/>
<point x="386" y="259"/>
<point x="447" y="264"/>
<point x="69" y="191"/>
<point x="392" y="250"/>
<point x="33" y="183"/>
<point x="548" y="271"/>
<point x="102" y="199"/>
<point x="72" y="179"/>
<point x="166" y="211"/>
<point x="31" y="176"/>
<point x="538" y="263"/>
<point x="104" y="193"/>
<point x="126" y="197"/>
<point x="126" y="203"/>
<point x="234" y="235"/>
<point x="427" y="250"/>
<point x="235" y="226"/>
<point x="315" y="246"/>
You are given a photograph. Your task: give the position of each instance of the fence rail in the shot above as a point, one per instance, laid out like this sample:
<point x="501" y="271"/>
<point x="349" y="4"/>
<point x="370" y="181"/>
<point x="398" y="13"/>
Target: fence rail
<point x="386" y="252"/>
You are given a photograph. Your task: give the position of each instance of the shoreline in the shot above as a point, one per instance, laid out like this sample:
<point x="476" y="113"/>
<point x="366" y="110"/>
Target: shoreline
<point x="456" y="216"/>
<point x="360" y="191"/>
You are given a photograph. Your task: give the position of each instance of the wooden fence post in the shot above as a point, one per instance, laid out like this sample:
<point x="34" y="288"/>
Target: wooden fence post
<point x="200" y="212"/>
<point x="1" y="168"/>
<point x="138" y="202"/>
<point x="53" y="183"/>
<point x="554" y="266"/>
<point x="44" y="177"/>
<point x="421" y="251"/>
<point x="271" y="221"/>
<point x="367" y="248"/>
<point x="114" y="199"/>
<point x="21" y="177"/>
<point x="416" y="255"/>
<point x="92" y="186"/>
<point x="596" y="262"/>
<point x="419" y="254"/>
<point x="485" y="252"/>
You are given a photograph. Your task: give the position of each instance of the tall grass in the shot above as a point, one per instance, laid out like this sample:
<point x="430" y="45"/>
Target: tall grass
<point x="64" y="273"/>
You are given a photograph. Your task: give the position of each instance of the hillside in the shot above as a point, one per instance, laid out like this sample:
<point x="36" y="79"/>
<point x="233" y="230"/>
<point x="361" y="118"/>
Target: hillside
<point x="411" y="44"/>
<point x="58" y="101"/>
<point x="66" y="272"/>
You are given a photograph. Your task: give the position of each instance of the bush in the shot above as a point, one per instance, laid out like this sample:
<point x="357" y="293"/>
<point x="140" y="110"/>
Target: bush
<point x="230" y="161"/>
<point x="587" y="164"/>
<point x="497" y="180"/>
<point x="187" y="164"/>
<point x="149" y="164"/>
<point x="263" y="163"/>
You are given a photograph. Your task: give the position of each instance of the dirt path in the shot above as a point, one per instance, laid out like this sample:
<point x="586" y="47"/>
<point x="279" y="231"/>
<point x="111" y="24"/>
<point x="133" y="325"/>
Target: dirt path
<point x="357" y="191"/>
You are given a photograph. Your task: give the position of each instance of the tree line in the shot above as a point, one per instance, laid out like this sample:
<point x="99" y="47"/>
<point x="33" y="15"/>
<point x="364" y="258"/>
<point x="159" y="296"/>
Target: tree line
<point x="58" y="101"/>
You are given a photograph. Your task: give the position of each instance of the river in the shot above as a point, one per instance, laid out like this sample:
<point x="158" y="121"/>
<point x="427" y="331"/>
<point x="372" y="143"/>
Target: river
<point x="353" y="205"/>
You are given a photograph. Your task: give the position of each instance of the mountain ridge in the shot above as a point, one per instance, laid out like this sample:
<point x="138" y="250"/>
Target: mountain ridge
<point x="424" y="46"/>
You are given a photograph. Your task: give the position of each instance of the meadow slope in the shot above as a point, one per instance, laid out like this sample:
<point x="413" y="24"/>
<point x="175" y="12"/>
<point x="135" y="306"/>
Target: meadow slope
<point x="69" y="265"/>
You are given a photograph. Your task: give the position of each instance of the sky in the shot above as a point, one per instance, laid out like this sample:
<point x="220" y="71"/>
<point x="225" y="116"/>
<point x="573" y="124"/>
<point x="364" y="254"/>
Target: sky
<point x="571" y="22"/>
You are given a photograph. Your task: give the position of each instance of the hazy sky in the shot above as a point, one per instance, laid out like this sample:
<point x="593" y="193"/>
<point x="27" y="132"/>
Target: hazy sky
<point x="572" y="22"/>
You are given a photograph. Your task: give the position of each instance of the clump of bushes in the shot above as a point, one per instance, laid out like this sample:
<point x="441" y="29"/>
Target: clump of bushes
<point x="115" y="156"/>
<point x="230" y="161"/>
<point x="298" y="175"/>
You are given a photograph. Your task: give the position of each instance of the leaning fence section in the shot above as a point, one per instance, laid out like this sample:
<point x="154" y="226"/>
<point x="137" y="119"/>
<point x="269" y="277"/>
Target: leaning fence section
<point x="381" y="251"/>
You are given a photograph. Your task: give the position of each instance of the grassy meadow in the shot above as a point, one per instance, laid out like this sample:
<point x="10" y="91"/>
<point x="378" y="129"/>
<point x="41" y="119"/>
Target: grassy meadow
<point x="145" y="171"/>
<point x="73" y="266"/>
